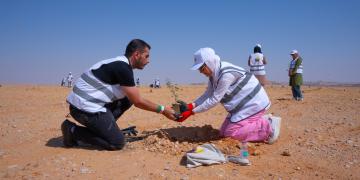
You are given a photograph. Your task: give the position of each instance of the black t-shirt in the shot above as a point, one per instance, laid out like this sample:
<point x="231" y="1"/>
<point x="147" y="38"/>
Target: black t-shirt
<point x="117" y="72"/>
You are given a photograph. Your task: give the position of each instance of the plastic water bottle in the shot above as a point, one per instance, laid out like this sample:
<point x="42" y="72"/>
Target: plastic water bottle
<point x="242" y="159"/>
<point x="244" y="153"/>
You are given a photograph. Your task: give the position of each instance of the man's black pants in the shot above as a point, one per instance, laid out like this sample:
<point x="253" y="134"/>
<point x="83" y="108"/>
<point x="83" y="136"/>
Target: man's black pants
<point x="101" y="128"/>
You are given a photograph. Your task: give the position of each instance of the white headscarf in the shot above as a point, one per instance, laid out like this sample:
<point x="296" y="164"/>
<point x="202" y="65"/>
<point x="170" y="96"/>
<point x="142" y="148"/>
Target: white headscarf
<point x="212" y="60"/>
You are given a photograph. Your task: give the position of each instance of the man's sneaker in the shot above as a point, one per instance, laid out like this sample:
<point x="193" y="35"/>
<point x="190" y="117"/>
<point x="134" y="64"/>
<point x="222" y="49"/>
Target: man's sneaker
<point x="275" y="125"/>
<point x="67" y="135"/>
<point x="238" y="160"/>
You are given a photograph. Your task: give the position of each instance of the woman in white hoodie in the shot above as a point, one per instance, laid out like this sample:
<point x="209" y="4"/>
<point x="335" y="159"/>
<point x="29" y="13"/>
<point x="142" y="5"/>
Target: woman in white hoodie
<point x="240" y="93"/>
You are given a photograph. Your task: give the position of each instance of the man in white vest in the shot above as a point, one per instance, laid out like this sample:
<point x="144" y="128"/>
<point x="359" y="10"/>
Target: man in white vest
<point x="240" y="93"/>
<point x="102" y="94"/>
<point x="295" y="75"/>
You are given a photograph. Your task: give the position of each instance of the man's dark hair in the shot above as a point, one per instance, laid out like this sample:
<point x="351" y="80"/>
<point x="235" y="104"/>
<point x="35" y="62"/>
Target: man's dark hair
<point x="257" y="49"/>
<point x="134" y="45"/>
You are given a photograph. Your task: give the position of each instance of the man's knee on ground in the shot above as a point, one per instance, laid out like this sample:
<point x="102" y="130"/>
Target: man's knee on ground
<point x="115" y="147"/>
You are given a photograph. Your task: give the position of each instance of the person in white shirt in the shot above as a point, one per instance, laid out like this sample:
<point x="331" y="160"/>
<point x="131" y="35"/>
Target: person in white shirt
<point x="257" y="62"/>
<point x="69" y="79"/>
<point x="157" y="83"/>
<point x="63" y="81"/>
<point x="240" y="93"/>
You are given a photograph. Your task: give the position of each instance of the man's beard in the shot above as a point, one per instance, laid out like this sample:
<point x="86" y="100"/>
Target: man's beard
<point x="138" y="64"/>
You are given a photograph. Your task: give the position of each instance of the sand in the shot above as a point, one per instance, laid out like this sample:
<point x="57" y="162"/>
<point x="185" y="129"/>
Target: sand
<point x="319" y="139"/>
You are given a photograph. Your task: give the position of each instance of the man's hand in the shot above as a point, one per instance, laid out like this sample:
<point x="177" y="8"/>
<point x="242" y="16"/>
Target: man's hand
<point x="184" y="116"/>
<point x="169" y="113"/>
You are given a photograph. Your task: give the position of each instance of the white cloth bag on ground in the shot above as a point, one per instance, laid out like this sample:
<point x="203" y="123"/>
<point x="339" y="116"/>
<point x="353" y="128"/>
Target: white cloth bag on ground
<point x="205" y="154"/>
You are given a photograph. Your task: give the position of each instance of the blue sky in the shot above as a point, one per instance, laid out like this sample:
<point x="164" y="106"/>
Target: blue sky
<point x="42" y="40"/>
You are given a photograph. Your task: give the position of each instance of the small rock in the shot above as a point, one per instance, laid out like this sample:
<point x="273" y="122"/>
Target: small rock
<point x="35" y="165"/>
<point x="84" y="170"/>
<point x="12" y="166"/>
<point x="286" y="153"/>
<point x="184" y="178"/>
<point x="235" y="171"/>
<point x="297" y="168"/>
<point x="256" y="153"/>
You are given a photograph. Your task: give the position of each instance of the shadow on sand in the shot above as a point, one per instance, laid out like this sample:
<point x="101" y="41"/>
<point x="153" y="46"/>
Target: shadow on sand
<point x="57" y="142"/>
<point x="181" y="134"/>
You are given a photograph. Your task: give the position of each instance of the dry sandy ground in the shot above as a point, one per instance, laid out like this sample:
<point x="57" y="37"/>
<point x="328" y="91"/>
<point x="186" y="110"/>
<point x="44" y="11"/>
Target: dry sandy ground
<point x="320" y="138"/>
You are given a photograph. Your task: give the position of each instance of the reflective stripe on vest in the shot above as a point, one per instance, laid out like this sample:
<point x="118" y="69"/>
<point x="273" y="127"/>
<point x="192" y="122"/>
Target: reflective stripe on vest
<point x="85" y="96"/>
<point x="299" y="69"/>
<point x="90" y="93"/>
<point x="230" y="69"/>
<point x="228" y="97"/>
<point x="257" y="67"/>
<point x="97" y="85"/>
<point x="234" y="68"/>
<point x="246" y="99"/>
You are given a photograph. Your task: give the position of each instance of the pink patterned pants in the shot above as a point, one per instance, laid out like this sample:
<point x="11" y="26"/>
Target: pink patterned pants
<point x="254" y="129"/>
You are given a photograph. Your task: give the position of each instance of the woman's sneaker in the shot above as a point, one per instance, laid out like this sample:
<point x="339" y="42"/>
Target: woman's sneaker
<point x="67" y="134"/>
<point x="275" y="125"/>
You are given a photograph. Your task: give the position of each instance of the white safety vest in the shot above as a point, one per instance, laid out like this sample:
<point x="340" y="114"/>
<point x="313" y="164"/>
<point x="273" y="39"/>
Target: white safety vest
<point x="70" y="77"/>
<point x="91" y="94"/>
<point x="292" y="66"/>
<point x="257" y="66"/>
<point x="245" y="97"/>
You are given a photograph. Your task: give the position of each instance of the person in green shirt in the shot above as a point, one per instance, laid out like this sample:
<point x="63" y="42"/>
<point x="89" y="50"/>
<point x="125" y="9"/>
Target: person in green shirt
<point x="295" y="75"/>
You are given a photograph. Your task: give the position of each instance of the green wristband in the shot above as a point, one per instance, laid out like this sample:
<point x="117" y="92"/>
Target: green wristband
<point x="158" y="109"/>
